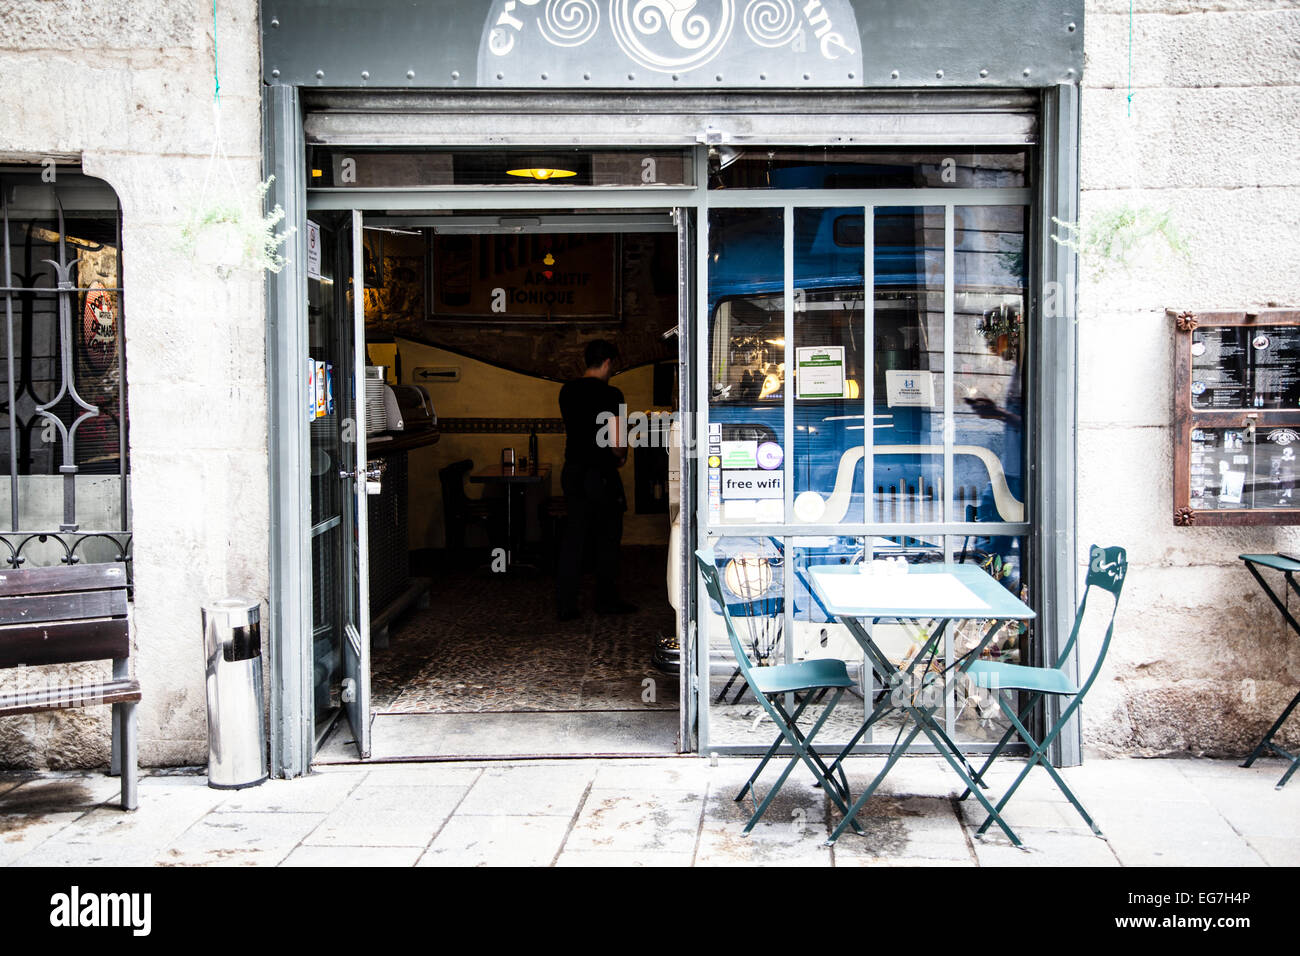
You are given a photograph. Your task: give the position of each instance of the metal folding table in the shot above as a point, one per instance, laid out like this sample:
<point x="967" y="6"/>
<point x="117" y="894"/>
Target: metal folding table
<point x="859" y="596"/>
<point x="1288" y="567"/>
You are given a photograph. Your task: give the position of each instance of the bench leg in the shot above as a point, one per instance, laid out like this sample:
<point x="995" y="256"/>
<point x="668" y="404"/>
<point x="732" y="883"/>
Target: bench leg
<point x="125" y="755"/>
<point x="115" y="754"/>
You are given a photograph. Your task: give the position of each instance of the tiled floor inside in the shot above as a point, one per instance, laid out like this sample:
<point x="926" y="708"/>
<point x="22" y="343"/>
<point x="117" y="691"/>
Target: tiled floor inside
<point x="490" y="643"/>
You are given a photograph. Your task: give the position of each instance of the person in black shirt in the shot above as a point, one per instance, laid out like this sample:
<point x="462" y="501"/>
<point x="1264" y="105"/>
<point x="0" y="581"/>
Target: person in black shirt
<point x="594" y="450"/>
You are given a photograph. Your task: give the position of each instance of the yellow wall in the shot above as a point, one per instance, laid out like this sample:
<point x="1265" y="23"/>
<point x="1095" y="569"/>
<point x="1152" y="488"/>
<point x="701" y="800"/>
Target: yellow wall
<point x="485" y="391"/>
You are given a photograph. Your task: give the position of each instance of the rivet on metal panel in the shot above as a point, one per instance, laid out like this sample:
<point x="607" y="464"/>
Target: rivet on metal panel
<point x="676" y="77"/>
<point x="455" y="74"/>
<point x="320" y="74"/>
<point x="544" y="76"/>
<point x="365" y="74"/>
<point x="984" y="74"/>
<point x="631" y="76"/>
<point x="275" y="73"/>
<point x="586" y="76"/>
<point x="1070" y="72"/>
<point x="275" y="22"/>
<point x="806" y="76"/>
<point x="1025" y="71"/>
<point x="893" y="75"/>
<point x="1071" y="28"/>
<point x="851" y="76"/>
<point x="718" y="78"/>
<point x="938" y="74"/>
<point x="762" y="76"/>
<point x="501" y="76"/>
<point x="410" y="74"/>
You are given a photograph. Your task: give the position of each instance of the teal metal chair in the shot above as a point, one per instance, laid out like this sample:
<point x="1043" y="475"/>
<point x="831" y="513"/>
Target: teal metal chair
<point x="1106" y="570"/>
<point x="769" y="686"/>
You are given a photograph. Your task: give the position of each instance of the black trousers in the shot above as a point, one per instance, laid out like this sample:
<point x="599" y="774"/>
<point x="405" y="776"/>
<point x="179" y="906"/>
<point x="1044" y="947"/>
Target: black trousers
<point x="595" y="503"/>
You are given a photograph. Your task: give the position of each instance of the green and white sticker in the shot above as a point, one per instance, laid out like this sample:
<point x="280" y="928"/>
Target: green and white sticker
<point x="820" y="372"/>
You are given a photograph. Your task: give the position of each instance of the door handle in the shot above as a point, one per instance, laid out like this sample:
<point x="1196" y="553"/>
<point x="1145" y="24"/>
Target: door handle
<point x="374" y="474"/>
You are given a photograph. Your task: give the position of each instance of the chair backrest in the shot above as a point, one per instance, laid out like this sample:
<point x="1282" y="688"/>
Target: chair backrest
<point x="452" y="478"/>
<point x="1107" y="568"/>
<point x="713" y="585"/>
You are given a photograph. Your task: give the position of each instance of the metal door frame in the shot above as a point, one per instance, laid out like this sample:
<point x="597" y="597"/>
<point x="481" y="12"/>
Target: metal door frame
<point x="1051" y="441"/>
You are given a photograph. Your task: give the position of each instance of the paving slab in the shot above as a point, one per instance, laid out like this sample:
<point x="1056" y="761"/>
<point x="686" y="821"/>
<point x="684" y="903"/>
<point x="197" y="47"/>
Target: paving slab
<point x="639" y="822"/>
<point x="683" y="773"/>
<point x="791" y="833"/>
<point x="314" y="793"/>
<point x="546" y="790"/>
<point x="604" y="858"/>
<point x="497" y="841"/>
<point x="1043" y="847"/>
<point x="239" y="839"/>
<point x="1276" y="851"/>
<point x="336" y="856"/>
<point x="60" y="793"/>
<point x="904" y="827"/>
<point x="388" y="816"/>
<point x="23" y="833"/>
<point x="1164" y="833"/>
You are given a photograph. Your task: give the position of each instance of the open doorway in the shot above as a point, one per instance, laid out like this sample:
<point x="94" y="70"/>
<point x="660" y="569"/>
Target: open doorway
<point x="472" y="326"/>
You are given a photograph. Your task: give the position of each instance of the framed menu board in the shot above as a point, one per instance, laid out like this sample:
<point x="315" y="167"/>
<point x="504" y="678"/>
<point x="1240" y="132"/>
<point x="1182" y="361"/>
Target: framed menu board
<point x="1237" y="418"/>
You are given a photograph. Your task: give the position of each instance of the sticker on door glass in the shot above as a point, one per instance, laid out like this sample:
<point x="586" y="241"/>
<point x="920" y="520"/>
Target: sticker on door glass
<point x="820" y="372"/>
<point x="740" y="454"/>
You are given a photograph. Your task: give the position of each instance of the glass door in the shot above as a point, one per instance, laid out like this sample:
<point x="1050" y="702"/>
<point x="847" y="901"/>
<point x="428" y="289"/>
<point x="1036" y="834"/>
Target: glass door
<point x="335" y="408"/>
<point x="865" y="400"/>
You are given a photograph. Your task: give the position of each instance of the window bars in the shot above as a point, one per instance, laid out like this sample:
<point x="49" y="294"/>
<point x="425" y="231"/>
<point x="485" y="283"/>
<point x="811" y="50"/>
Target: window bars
<point x="63" y="407"/>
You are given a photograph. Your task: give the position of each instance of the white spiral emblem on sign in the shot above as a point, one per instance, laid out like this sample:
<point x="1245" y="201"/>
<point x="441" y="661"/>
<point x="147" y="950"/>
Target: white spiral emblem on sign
<point x="771" y="23"/>
<point x="639" y="24"/>
<point x="569" y="22"/>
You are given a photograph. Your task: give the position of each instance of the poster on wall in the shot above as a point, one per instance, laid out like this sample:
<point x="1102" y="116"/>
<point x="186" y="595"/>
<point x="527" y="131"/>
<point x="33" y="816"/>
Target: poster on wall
<point x="525" y="278"/>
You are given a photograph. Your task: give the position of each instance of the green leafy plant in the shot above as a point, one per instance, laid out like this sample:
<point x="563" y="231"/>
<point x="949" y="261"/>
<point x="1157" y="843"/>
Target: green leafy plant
<point x="231" y="232"/>
<point x="1114" y="240"/>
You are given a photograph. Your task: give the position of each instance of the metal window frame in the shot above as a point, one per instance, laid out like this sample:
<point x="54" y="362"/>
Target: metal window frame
<point x="67" y="296"/>
<point x="1050" y="441"/>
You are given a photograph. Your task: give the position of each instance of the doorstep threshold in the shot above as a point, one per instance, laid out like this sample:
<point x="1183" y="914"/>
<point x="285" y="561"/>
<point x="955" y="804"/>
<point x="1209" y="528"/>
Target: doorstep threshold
<point x="403" y="738"/>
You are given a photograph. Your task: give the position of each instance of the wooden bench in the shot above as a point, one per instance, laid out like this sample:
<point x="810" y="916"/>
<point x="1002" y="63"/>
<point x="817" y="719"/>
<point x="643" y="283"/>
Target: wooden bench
<point x="67" y="615"/>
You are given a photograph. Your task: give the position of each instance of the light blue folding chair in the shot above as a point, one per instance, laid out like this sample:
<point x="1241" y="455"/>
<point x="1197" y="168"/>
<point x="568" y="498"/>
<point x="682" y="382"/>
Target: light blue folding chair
<point x="1107" y="568"/>
<point x="770" y="685"/>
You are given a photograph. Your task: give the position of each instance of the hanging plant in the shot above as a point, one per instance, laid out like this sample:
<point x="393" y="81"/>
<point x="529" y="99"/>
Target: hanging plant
<point x="228" y="228"/>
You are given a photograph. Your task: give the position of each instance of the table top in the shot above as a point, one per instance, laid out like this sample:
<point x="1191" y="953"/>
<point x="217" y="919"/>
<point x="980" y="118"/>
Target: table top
<point x="1279" y="562"/>
<point x="953" y="591"/>
<point x="512" y="474"/>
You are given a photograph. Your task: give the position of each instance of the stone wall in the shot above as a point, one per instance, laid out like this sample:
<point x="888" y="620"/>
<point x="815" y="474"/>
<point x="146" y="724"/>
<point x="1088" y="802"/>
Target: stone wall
<point x="127" y="89"/>
<point x="1202" y="663"/>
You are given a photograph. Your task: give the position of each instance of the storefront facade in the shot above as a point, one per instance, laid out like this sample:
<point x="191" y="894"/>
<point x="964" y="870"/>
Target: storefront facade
<point x="737" y="90"/>
<point x="693" y="93"/>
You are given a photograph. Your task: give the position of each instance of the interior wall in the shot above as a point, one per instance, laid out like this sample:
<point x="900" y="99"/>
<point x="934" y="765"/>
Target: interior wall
<point x="486" y="391"/>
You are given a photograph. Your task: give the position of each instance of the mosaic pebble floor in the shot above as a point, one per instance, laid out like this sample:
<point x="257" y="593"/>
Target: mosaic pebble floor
<point x="490" y="643"/>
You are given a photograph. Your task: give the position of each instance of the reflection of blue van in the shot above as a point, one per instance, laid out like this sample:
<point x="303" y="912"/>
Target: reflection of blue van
<point x="748" y="356"/>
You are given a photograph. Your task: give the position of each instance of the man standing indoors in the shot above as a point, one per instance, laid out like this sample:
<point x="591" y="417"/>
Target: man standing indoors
<point x="594" y="450"/>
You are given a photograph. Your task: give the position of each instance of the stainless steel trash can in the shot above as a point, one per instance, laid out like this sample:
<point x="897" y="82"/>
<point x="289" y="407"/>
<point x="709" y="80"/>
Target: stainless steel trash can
<point x="232" y="641"/>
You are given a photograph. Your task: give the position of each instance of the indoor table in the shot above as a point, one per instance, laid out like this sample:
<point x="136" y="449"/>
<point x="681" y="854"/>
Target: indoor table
<point x="512" y="477"/>
<point x="858" y="596"/>
<point x="1288" y="566"/>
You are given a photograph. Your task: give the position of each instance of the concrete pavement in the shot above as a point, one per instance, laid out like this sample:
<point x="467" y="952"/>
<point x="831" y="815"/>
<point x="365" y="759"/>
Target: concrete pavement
<point x="675" y="811"/>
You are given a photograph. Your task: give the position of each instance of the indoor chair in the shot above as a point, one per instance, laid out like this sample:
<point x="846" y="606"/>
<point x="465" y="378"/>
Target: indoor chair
<point x="459" y="509"/>
<point x="769" y="686"/>
<point x="1106" y="570"/>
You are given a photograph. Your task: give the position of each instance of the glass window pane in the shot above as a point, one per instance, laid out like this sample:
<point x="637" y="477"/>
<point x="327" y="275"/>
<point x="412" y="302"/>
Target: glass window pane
<point x="989" y="353"/>
<point x="830" y="358"/>
<point x="747" y="363"/>
<point x="362" y="168"/>
<point x="855" y="167"/>
<point x="907" y="375"/>
<point x="751" y="572"/>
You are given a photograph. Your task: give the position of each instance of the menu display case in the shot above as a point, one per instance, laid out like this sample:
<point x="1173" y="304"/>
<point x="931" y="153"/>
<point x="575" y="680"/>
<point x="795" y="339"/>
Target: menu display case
<point x="1236" y="418"/>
